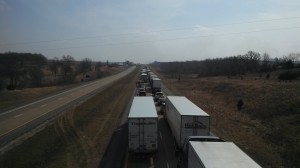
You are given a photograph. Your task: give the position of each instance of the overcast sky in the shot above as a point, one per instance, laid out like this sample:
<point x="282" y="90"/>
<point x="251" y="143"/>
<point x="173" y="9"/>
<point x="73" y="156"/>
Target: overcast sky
<point x="149" y="30"/>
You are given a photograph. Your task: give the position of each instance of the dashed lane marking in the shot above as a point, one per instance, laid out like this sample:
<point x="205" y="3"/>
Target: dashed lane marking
<point x="18" y="116"/>
<point x="151" y="162"/>
<point x="43" y="105"/>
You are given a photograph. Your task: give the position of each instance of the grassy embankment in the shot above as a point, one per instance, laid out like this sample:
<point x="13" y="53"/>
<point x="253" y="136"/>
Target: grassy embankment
<point x="268" y="125"/>
<point x="79" y="138"/>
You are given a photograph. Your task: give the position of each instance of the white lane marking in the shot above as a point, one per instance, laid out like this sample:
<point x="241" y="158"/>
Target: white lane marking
<point x="43" y="105"/>
<point x="18" y="116"/>
<point x="168" y="165"/>
<point x="151" y="162"/>
<point x="160" y="135"/>
<point x="113" y="78"/>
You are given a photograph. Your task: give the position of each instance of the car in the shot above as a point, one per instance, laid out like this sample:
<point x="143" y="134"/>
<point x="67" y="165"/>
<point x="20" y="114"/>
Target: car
<point x="142" y="85"/>
<point x="163" y="107"/>
<point x="142" y="92"/>
<point x="157" y="95"/>
<point x="154" y="91"/>
<point x="161" y="100"/>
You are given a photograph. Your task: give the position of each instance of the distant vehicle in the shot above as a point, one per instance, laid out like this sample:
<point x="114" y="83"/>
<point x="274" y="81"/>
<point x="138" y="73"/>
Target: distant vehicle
<point x="163" y="107"/>
<point x="144" y="77"/>
<point x="185" y="119"/>
<point x="155" y="91"/>
<point x="142" y="85"/>
<point x="152" y="76"/>
<point x="157" y="95"/>
<point x="218" y="154"/>
<point x="142" y="92"/>
<point x="143" y="71"/>
<point x="155" y="85"/>
<point x="149" y="75"/>
<point x="142" y="126"/>
<point x="161" y="100"/>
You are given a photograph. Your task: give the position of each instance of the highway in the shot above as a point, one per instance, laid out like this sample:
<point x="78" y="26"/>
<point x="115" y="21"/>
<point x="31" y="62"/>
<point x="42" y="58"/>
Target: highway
<point x="165" y="156"/>
<point x="28" y="116"/>
<point x="117" y="156"/>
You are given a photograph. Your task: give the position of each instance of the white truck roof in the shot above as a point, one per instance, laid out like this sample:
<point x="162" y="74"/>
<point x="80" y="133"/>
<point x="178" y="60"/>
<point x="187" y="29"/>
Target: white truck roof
<point x="222" y="154"/>
<point x="142" y="107"/>
<point x="185" y="107"/>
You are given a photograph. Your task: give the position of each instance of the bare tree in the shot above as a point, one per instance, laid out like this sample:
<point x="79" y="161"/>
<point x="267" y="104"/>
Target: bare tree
<point x="16" y="66"/>
<point x="253" y="59"/>
<point x="266" y="63"/>
<point x="85" y="66"/>
<point x="67" y="67"/>
<point x="67" y="64"/>
<point x="54" y="65"/>
<point x="98" y="66"/>
<point x="37" y="76"/>
<point x="294" y="57"/>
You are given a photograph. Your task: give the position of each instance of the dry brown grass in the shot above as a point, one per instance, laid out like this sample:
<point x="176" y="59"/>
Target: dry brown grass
<point x="12" y="98"/>
<point x="250" y="127"/>
<point x="92" y="124"/>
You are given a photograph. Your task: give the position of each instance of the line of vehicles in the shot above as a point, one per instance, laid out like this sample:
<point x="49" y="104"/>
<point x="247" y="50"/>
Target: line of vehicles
<point x="195" y="146"/>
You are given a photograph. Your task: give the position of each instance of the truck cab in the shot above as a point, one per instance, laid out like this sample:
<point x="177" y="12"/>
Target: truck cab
<point x="183" y="156"/>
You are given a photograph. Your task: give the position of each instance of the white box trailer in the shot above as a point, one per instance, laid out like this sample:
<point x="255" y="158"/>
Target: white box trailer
<point x="152" y="76"/>
<point x="144" y="77"/>
<point x="142" y="126"/>
<point x="156" y="83"/>
<point x="149" y="75"/>
<point x="143" y="71"/>
<point x="217" y="155"/>
<point x="186" y="119"/>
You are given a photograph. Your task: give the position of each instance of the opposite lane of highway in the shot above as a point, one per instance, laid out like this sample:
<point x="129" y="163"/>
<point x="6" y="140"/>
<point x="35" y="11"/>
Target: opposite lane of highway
<point x="15" y="118"/>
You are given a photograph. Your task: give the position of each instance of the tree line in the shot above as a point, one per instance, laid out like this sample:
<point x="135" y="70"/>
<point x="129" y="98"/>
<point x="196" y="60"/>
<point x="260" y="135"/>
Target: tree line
<point x="251" y="62"/>
<point x="20" y="70"/>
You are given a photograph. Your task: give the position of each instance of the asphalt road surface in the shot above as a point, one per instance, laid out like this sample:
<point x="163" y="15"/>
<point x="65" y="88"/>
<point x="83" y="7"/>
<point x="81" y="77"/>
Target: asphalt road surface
<point x="165" y="156"/>
<point x="14" y="119"/>
<point x="117" y="156"/>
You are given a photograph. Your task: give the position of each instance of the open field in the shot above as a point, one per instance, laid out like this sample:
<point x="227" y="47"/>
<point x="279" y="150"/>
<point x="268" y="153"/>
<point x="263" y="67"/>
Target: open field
<point x="79" y="138"/>
<point x="267" y="127"/>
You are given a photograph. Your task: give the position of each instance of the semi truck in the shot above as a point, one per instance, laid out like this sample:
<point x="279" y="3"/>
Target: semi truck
<point x="151" y="78"/>
<point x="208" y="154"/>
<point x="155" y="85"/>
<point x="185" y="119"/>
<point x="144" y="77"/>
<point x="142" y="126"/>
